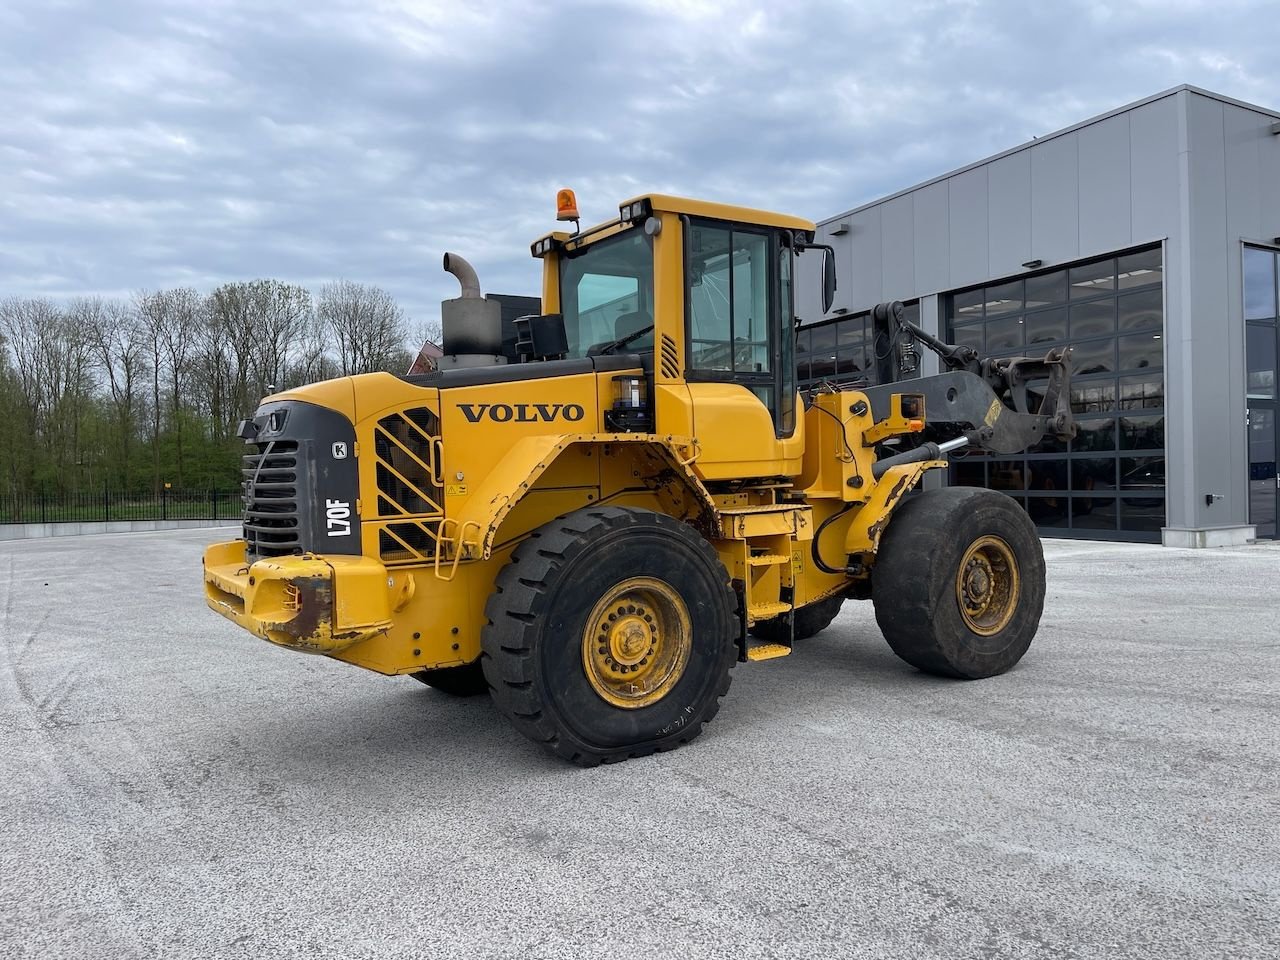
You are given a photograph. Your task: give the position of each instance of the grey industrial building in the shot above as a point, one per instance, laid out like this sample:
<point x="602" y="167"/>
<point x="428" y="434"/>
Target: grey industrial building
<point x="1148" y="239"/>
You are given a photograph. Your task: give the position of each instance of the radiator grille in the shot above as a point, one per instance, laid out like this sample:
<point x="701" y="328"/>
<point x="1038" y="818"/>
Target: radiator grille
<point x="271" y="498"/>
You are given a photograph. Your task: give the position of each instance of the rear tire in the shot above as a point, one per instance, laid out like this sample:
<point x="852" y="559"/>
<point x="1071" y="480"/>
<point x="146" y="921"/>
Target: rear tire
<point x="809" y="621"/>
<point x="464" y="681"/>
<point x="611" y="635"/>
<point x="958" y="584"/>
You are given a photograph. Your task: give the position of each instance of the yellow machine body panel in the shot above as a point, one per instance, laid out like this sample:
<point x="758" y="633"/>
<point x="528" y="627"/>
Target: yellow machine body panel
<point x="736" y="434"/>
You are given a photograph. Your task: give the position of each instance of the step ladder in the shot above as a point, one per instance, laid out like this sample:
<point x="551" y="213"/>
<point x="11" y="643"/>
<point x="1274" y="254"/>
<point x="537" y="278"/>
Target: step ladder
<point x="757" y="650"/>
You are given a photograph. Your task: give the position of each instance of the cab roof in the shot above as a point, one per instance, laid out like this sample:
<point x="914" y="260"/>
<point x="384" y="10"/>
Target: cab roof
<point x="664" y="203"/>
<point x="723" y="211"/>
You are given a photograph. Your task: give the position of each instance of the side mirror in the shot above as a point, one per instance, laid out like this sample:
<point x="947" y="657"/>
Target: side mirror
<point x="828" y="278"/>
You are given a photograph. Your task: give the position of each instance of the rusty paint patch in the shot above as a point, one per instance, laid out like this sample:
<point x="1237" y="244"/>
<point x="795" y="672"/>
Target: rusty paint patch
<point x="314" y="603"/>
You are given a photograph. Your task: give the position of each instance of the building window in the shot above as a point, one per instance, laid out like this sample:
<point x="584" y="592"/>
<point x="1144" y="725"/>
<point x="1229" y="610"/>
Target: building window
<point x="844" y="351"/>
<point x="1261" y="347"/>
<point x="1110" y="481"/>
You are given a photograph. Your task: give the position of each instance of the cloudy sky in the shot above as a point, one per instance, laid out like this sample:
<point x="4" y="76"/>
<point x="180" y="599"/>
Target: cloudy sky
<point x="148" y="143"/>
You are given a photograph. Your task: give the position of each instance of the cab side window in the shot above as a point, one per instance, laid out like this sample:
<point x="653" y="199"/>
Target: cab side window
<point x="728" y="296"/>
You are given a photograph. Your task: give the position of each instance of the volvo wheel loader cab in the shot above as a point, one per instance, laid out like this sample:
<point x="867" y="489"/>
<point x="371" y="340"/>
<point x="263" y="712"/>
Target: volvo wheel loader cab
<point x="597" y="532"/>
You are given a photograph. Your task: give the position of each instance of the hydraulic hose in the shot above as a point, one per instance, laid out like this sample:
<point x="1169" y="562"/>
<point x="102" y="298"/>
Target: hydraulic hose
<point x="817" y="538"/>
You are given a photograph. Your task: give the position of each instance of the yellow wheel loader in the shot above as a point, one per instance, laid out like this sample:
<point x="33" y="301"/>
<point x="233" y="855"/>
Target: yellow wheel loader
<point x="593" y="513"/>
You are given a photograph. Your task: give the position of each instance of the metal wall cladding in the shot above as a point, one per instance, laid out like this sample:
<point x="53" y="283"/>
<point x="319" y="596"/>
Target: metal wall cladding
<point x="1105" y="185"/>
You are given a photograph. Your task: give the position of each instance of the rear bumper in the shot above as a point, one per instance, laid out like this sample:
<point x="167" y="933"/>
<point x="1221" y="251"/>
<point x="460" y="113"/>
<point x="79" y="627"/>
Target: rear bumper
<point x="309" y="603"/>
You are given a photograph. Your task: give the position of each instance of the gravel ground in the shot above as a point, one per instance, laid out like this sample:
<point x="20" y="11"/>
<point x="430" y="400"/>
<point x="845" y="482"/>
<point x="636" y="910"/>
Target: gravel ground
<point x="173" y="787"/>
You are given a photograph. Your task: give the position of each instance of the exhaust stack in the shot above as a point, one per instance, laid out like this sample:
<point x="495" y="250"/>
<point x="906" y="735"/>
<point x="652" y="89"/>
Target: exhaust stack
<point x="471" y="326"/>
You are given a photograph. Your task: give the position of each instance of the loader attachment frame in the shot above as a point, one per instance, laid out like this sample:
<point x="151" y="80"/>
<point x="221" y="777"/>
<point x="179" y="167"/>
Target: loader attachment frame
<point x="1003" y="405"/>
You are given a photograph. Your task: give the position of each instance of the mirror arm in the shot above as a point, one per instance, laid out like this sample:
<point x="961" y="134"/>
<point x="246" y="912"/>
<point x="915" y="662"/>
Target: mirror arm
<point x="800" y="246"/>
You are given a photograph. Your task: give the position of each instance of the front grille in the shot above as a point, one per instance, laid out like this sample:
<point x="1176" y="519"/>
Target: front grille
<point x="271" y="498"/>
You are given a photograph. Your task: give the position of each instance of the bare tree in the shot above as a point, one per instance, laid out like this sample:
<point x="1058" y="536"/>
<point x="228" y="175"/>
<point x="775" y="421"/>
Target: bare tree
<point x="427" y="331"/>
<point x="234" y="319"/>
<point x="152" y="311"/>
<point x="311" y="359"/>
<point x="26" y="325"/>
<point x="366" y="325"/>
<point x="283" y="312"/>
<point x="118" y="346"/>
<point x="50" y="355"/>
<point x="86" y="385"/>
<point x="13" y="443"/>
<point x="21" y="321"/>
<point x="182" y="315"/>
<point x="212" y="370"/>
<point x="70" y="372"/>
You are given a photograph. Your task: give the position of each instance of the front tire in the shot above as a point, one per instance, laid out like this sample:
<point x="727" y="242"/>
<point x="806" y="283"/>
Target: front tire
<point x="958" y="585"/>
<point x="611" y="635"/>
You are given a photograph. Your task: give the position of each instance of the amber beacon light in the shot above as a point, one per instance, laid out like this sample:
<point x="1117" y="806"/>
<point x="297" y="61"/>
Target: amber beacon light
<point x="566" y="205"/>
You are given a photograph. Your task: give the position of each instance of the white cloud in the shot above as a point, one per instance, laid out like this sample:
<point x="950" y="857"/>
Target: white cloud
<point x="154" y="142"/>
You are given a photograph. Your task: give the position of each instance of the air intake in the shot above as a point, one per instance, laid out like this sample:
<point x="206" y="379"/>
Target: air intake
<point x="271" y="498"/>
<point x="410" y="501"/>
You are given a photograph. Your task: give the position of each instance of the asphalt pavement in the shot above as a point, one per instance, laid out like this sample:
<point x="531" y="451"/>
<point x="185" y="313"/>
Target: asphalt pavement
<point x="172" y="787"/>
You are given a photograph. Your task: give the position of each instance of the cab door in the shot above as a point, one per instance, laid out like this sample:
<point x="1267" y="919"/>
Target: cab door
<point x="739" y="342"/>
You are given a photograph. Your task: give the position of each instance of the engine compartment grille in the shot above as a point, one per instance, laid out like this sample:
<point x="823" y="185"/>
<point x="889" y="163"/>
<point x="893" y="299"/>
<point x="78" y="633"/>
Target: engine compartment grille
<point x="270" y="485"/>
<point x="407" y="454"/>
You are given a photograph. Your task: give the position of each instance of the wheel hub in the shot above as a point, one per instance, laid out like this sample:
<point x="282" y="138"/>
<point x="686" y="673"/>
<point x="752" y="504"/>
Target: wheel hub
<point x="977" y="584"/>
<point x="631" y="638"/>
<point x="987" y="585"/>
<point x="636" y="642"/>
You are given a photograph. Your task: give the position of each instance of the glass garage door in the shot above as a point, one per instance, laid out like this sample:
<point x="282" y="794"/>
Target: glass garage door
<point x="1108" y="483"/>
<point x="843" y="351"/>
<point x="1262" y="346"/>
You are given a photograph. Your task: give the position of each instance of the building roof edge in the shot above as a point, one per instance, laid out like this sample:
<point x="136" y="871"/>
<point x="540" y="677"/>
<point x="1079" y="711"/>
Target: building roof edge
<point x="1172" y="91"/>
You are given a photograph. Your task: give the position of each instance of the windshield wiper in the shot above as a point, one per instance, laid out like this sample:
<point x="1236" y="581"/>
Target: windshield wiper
<point x="620" y="342"/>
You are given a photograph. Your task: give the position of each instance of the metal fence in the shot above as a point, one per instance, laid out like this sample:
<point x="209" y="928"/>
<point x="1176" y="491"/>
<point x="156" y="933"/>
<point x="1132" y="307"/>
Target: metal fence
<point x="106" y="504"/>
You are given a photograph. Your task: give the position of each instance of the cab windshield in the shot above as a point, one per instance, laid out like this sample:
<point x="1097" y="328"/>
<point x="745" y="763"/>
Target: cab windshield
<point x="606" y="292"/>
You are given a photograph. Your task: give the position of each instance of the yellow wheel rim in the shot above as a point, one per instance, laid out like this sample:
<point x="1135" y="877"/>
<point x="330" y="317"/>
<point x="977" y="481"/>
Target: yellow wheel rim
<point x="987" y="586"/>
<point x="636" y="642"/>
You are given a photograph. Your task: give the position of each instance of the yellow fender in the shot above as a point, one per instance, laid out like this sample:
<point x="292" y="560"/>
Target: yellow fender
<point x="871" y="519"/>
<point x="518" y="472"/>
